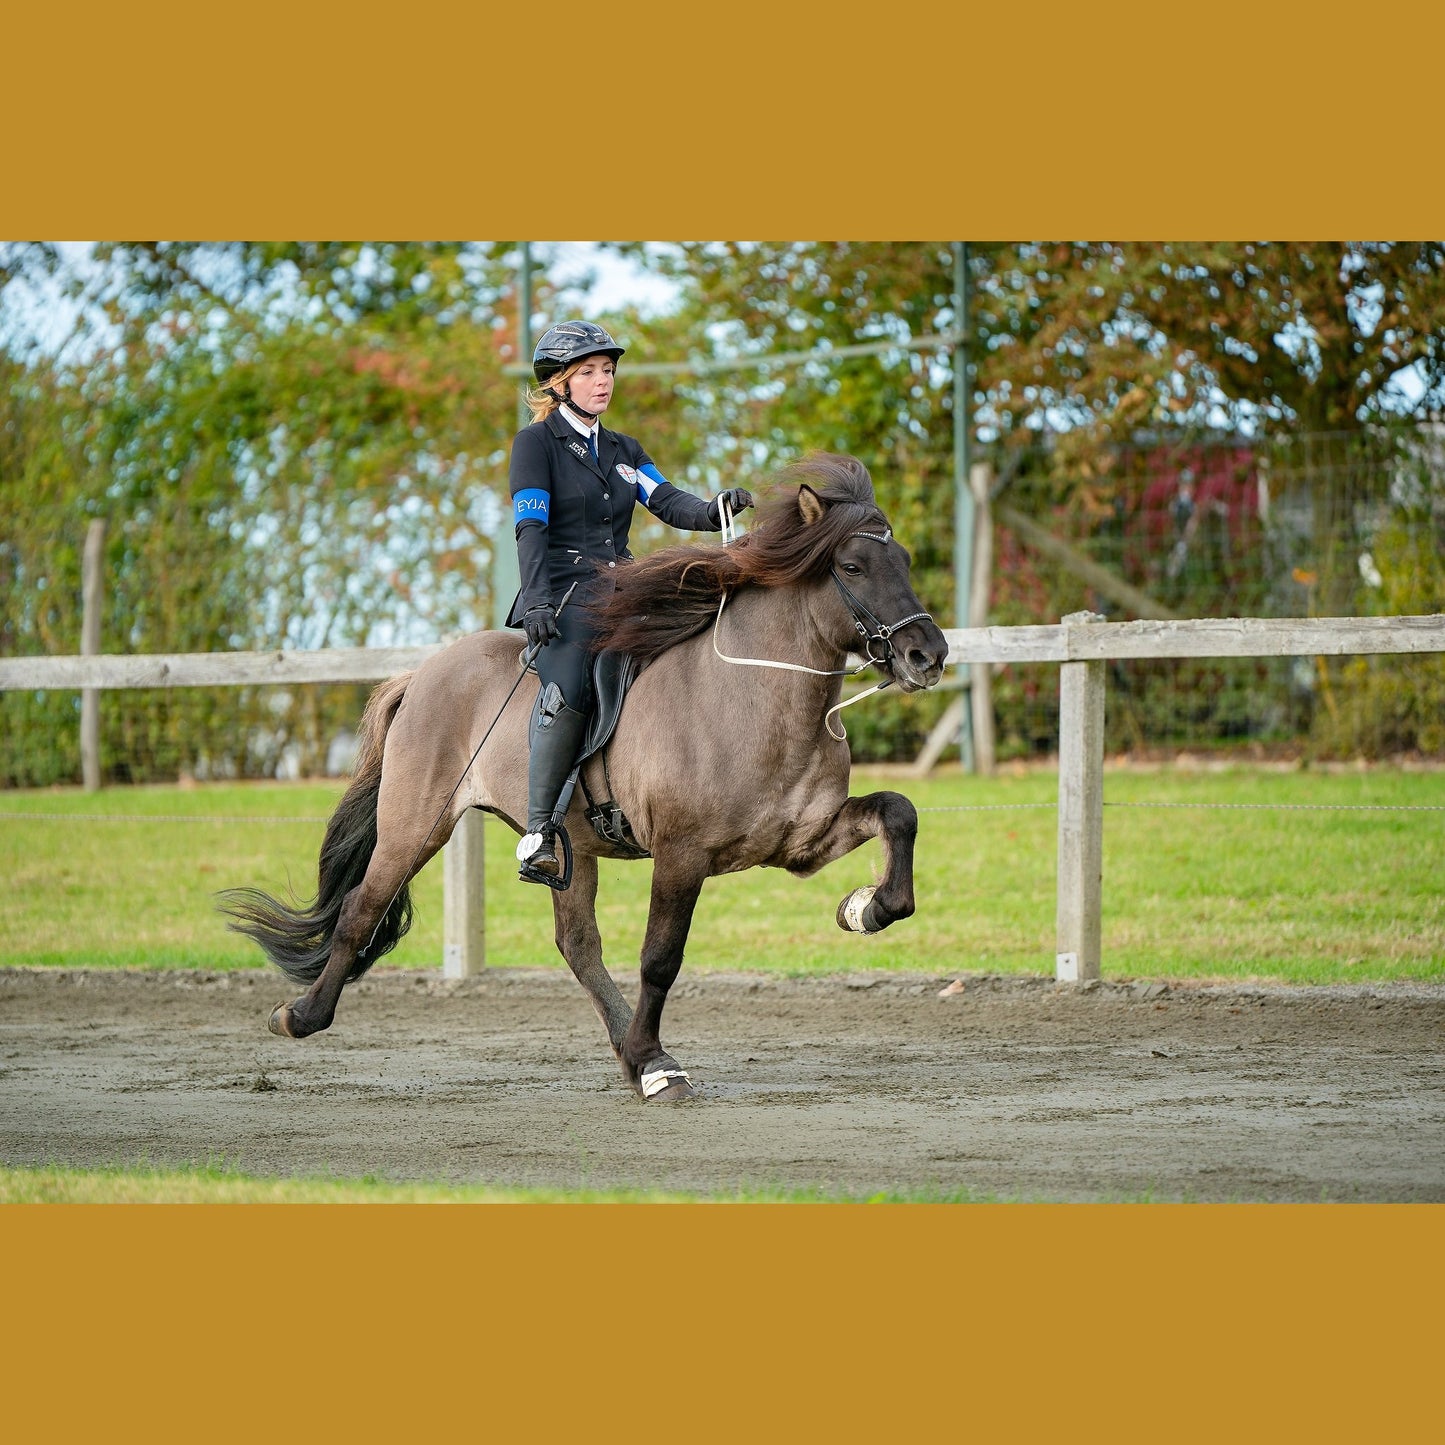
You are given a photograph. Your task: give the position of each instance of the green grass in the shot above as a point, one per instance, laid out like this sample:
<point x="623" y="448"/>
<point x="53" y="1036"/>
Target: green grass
<point x="1291" y="895"/>
<point x="213" y="1183"/>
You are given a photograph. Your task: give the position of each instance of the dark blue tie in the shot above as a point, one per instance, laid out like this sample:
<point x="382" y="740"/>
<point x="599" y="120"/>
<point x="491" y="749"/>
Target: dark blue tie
<point x="592" y="442"/>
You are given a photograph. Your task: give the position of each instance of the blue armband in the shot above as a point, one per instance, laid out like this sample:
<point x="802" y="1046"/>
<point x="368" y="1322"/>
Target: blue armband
<point x="649" y="479"/>
<point x="531" y="506"/>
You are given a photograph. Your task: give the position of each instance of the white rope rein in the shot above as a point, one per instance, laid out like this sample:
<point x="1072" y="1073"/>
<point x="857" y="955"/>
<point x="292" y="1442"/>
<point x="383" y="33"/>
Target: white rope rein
<point x="729" y="534"/>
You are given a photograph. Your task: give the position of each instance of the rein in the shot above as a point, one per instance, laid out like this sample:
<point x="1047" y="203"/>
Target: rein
<point x="870" y="629"/>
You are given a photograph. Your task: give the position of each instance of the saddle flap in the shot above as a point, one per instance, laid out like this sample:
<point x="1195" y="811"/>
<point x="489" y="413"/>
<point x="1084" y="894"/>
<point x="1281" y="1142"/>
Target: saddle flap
<point x="612" y="674"/>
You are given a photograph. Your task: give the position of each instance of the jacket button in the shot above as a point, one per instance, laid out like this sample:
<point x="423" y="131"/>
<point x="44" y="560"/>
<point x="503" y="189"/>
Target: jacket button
<point x="612" y="564"/>
<point x="606" y="496"/>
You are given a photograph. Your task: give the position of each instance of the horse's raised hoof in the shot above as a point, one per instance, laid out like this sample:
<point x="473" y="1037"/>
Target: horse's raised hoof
<point x="662" y="1082"/>
<point x="280" y="1021"/>
<point x="854" y="911"/>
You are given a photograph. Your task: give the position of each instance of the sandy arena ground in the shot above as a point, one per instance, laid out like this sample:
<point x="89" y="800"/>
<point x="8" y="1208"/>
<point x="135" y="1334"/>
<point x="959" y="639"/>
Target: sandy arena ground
<point x="1007" y="1087"/>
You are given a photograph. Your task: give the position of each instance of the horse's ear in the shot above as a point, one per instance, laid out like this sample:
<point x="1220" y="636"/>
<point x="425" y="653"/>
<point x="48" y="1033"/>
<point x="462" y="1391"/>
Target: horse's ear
<point x="810" y="504"/>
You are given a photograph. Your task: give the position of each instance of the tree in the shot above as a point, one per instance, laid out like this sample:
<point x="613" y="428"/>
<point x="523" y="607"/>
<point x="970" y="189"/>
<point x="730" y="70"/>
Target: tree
<point x="295" y="446"/>
<point x="1078" y="351"/>
<point x="1090" y="342"/>
<point x="47" y="496"/>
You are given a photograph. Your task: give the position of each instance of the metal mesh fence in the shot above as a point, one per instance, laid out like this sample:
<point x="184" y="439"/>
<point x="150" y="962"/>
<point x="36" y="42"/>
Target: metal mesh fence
<point x="166" y="734"/>
<point x="1316" y="525"/>
<point x="1332" y="525"/>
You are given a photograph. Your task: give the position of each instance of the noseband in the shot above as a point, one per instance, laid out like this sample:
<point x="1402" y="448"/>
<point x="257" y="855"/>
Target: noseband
<point x="874" y="632"/>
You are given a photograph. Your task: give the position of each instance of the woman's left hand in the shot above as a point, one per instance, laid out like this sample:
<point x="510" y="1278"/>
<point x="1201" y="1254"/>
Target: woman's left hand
<point x="739" y="499"/>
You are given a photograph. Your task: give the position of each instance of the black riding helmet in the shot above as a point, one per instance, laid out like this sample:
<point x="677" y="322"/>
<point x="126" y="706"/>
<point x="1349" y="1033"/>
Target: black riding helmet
<point x="567" y="342"/>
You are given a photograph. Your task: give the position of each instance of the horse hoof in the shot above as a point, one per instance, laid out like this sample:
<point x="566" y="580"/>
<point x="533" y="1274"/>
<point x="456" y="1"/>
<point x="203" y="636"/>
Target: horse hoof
<point x="853" y="910"/>
<point x="665" y="1084"/>
<point x="280" y="1021"/>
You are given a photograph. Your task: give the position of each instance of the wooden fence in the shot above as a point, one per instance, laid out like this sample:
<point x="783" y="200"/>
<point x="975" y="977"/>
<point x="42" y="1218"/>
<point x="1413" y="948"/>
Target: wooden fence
<point x="1081" y="644"/>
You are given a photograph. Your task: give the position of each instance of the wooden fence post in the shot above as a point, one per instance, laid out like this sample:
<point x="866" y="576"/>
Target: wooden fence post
<point x="464" y="917"/>
<point x="92" y="583"/>
<point x="1081" y="815"/>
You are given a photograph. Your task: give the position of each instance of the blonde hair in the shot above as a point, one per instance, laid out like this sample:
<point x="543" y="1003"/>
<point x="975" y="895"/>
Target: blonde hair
<point x="540" y="400"/>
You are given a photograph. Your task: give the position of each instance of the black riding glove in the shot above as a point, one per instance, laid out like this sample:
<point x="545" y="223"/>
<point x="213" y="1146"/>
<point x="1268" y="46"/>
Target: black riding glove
<point x="540" y="625"/>
<point x="739" y="499"/>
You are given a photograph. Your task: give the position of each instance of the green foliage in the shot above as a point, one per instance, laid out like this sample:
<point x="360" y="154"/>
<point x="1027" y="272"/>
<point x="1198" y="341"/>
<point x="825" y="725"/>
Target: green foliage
<point x="304" y="444"/>
<point x="1109" y="337"/>
<point x="293" y="446"/>
<point x="893" y="413"/>
<point x="47" y="496"/>
<point x="1382" y="705"/>
<point x="318" y="432"/>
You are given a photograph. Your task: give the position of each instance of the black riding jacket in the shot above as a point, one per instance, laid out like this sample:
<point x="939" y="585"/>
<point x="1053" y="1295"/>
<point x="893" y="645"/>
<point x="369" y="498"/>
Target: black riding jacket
<point x="571" y="511"/>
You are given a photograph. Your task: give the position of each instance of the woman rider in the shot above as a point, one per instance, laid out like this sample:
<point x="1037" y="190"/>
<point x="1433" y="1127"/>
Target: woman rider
<point x="574" y="485"/>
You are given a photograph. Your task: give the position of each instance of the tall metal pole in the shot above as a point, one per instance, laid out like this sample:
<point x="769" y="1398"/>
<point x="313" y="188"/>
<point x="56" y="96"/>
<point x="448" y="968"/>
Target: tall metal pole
<point x="963" y="508"/>
<point x="506" y="576"/>
<point x="524" y="323"/>
<point x="464" y="892"/>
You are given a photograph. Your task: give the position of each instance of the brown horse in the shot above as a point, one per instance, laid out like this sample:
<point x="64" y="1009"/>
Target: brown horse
<point x="727" y="756"/>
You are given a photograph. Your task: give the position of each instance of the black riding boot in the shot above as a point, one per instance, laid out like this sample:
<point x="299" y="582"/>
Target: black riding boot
<point x="556" y="740"/>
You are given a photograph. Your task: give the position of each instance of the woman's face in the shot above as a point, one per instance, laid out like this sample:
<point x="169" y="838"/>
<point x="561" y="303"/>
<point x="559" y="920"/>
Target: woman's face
<point x="591" y="384"/>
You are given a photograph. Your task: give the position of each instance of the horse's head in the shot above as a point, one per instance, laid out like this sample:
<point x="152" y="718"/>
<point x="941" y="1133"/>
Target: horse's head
<point x="878" y="610"/>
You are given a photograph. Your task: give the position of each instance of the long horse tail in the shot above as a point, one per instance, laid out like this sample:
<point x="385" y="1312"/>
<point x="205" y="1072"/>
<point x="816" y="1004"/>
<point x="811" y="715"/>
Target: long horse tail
<point x="297" y="939"/>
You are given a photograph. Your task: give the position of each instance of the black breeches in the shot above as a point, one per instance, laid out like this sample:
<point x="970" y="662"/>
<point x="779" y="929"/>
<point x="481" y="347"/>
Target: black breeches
<point x="567" y="659"/>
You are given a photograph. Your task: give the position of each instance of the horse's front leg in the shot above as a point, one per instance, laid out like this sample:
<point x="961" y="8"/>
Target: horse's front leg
<point x="654" y="1073"/>
<point x="893" y="820"/>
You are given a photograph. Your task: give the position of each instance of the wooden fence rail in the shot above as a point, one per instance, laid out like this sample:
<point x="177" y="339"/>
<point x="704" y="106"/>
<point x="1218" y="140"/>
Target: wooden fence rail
<point x="1067" y="641"/>
<point x="1080" y="645"/>
<point x="210" y="669"/>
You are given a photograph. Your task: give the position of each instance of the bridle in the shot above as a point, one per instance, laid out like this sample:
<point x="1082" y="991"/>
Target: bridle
<point x="871" y="628"/>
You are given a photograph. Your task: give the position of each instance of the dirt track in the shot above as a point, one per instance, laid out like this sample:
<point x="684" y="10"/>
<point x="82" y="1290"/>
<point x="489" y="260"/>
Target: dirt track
<point x="1013" y="1087"/>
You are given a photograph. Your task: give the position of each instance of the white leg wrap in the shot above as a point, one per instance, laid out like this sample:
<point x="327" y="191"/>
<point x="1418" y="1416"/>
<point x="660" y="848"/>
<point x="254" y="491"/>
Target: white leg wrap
<point x="655" y="1080"/>
<point x="858" y="900"/>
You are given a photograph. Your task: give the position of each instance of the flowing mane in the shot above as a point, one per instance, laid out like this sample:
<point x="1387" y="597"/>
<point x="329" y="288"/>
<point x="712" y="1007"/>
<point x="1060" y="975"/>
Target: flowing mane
<point x="671" y="595"/>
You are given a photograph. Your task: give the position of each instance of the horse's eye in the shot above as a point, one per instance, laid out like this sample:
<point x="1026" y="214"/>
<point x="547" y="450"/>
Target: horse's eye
<point x="852" y="569"/>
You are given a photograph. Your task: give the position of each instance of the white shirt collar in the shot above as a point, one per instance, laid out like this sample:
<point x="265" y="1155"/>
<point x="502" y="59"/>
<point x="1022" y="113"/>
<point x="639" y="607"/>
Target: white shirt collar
<point x="578" y="425"/>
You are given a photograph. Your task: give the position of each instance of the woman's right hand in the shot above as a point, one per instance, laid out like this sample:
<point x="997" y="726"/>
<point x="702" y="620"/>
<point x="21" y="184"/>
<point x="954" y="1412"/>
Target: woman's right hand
<point x="540" y="625"/>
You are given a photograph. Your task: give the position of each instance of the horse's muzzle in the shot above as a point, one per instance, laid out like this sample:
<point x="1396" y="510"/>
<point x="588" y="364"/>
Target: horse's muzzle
<point x="918" y="664"/>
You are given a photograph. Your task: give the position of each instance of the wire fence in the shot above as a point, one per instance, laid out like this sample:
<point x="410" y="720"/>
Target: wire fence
<point x="27" y="815"/>
<point x="1314" y="877"/>
<point x="1339" y="525"/>
<point x="1314" y="525"/>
